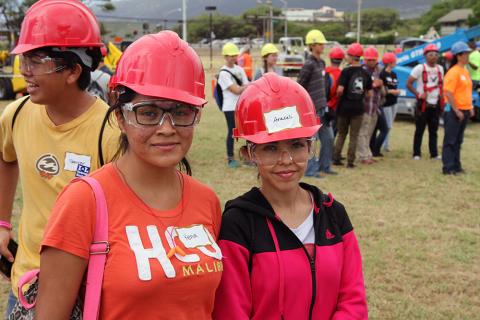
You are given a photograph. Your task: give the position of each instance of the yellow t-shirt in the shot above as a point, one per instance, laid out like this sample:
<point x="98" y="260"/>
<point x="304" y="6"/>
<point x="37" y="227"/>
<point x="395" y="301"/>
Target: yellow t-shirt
<point x="49" y="156"/>
<point x="458" y="82"/>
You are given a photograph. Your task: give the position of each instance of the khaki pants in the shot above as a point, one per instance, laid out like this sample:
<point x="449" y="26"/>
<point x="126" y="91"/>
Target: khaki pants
<point x="343" y="124"/>
<point x="369" y="121"/>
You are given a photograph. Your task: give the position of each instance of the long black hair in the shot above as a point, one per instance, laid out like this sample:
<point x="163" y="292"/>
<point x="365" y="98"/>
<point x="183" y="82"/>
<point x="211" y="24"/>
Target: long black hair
<point x="117" y="99"/>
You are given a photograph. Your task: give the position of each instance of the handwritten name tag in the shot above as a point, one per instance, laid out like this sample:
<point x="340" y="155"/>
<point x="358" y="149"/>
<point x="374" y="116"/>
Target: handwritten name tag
<point x="73" y="160"/>
<point x="278" y="120"/>
<point x="193" y="237"/>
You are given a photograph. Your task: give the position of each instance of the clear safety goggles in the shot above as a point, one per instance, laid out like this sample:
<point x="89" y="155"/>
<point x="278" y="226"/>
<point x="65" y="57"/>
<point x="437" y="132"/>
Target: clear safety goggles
<point x="37" y="65"/>
<point x="296" y="150"/>
<point x="152" y="113"/>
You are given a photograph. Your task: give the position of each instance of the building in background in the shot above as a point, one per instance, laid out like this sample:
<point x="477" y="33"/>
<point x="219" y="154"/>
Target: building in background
<point x="453" y="20"/>
<point x="323" y="14"/>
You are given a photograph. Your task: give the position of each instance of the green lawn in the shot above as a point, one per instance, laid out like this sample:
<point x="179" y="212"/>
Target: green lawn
<point x="419" y="231"/>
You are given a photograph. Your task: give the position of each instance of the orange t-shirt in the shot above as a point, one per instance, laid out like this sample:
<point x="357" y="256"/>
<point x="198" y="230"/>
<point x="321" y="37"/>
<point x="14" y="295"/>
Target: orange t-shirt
<point x="140" y="281"/>
<point x="458" y="82"/>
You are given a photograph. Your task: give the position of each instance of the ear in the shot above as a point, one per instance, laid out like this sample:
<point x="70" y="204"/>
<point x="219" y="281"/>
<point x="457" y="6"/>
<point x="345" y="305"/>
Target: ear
<point x="120" y="120"/>
<point x="73" y="74"/>
<point x="245" y="154"/>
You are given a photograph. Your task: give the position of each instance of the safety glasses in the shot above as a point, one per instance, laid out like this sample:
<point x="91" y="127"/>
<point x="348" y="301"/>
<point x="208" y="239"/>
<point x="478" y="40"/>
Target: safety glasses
<point x="37" y="65"/>
<point x="152" y="113"/>
<point x="297" y="150"/>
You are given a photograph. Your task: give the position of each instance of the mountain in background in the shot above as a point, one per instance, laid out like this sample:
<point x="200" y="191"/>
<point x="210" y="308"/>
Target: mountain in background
<point x="169" y="9"/>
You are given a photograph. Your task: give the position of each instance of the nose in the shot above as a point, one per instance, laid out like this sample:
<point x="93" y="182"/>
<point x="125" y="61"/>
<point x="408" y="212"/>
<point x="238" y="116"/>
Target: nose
<point x="166" y="127"/>
<point x="286" y="160"/>
<point x="25" y="70"/>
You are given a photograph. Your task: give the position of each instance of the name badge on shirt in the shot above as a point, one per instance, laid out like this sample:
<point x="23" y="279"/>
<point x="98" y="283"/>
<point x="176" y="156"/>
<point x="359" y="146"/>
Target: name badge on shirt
<point x="73" y="160"/>
<point x="278" y="120"/>
<point x="194" y="236"/>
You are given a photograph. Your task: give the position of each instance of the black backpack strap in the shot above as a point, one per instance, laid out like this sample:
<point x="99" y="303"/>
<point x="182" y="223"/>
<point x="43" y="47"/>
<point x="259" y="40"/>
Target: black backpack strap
<point x="238" y="81"/>
<point x="20" y="106"/>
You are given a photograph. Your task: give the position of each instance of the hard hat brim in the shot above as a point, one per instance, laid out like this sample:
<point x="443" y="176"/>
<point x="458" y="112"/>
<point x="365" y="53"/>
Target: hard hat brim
<point x="22" y="48"/>
<point x="166" y="93"/>
<point x="265" y="137"/>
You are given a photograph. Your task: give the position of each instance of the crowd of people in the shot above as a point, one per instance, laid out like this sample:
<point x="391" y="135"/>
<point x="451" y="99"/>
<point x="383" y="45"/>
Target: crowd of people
<point x="283" y="250"/>
<point x="356" y="95"/>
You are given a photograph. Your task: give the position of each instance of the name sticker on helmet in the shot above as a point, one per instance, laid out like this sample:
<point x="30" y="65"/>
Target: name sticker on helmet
<point x="285" y="118"/>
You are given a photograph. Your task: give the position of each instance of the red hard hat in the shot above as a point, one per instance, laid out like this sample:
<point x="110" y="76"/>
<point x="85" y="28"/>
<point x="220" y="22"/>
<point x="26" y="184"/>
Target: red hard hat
<point x="389" y="57"/>
<point x="370" y="54"/>
<point x="58" y="23"/>
<point x="162" y="65"/>
<point x="430" y="47"/>
<point x="448" y="55"/>
<point x="398" y="50"/>
<point x="355" y="49"/>
<point x="275" y="108"/>
<point x="337" y="53"/>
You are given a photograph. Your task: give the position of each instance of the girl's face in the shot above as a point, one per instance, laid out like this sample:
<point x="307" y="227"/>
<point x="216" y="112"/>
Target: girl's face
<point x="463" y="57"/>
<point x="159" y="132"/>
<point x="281" y="164"/>
<point x="272" y="59"/>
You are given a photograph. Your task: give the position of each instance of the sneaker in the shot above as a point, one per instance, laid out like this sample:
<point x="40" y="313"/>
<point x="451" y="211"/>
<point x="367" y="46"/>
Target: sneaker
<point x="436" y="158"/>
<point x="449" y="173"/>
<point x="331" y="172"/>
<point x="416" y="157"/>
<point x="233" y="164"/>
<point x="367" y="161"/>
<point x="378" y="155"/>
<point x="350" y="165"/>
<point x="338" y="163"/>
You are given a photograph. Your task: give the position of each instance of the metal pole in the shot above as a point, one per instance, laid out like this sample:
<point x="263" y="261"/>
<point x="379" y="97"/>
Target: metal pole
<point x="358" y="19"/>
<point x="271" y="22"/>
<point x="285" y="17"/>
<point x="184" y="18"/>
<point x="211" y="40"/>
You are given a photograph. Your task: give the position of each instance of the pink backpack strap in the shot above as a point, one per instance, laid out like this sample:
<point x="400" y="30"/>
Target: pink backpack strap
<point x="98" y="253"/>
<point x="27" y="277"/>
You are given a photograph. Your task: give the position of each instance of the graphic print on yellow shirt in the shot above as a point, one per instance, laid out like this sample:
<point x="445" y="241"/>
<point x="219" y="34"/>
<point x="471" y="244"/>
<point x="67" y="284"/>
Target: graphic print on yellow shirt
<point x="49" y="157"/>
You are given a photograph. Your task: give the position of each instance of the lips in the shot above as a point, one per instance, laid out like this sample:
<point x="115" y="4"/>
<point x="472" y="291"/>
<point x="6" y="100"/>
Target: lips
<point x="31" y="87"/>
<point x="285" y="174"/>
<point x="165" y="146"/>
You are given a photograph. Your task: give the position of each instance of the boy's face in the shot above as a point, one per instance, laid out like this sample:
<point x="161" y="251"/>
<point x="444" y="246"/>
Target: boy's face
<point x="231" y="60"/>
<point x="46" y="77"/>
<point x="317" y="48"/>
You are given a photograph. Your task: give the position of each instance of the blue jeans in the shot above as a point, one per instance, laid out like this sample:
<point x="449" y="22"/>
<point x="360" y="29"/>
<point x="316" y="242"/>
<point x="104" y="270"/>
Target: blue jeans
<point x="12" y="300"/>
<point x="324" y="161"/>
<point x="376" y="142"/>
<point x="452" y="142"/>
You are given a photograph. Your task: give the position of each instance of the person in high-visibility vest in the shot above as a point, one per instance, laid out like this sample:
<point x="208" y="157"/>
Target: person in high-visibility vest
<point x="244" y="60"/>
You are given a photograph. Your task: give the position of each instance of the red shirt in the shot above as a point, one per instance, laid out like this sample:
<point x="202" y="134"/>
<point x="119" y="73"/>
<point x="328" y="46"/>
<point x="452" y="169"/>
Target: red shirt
<point x="334" y="74"/>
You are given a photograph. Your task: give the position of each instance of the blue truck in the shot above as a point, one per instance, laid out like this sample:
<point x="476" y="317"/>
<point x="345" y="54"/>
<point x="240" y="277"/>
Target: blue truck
<point x="410" y="58"/>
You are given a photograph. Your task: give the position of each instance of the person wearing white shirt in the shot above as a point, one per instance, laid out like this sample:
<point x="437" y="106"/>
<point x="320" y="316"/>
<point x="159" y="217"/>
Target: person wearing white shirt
<point x="233" y="80"/>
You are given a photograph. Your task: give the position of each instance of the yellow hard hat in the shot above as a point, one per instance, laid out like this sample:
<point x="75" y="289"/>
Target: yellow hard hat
<point x="315" y="36"/>
<point x="268" y="48"/>
<point x="230" y="49"/>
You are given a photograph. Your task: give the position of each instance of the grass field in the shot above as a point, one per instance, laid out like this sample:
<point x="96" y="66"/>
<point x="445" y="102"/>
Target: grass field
<point x="419" y="231"/>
